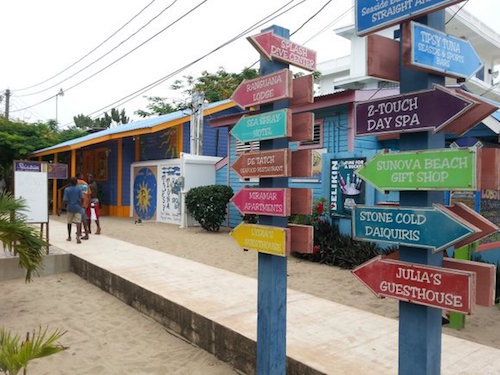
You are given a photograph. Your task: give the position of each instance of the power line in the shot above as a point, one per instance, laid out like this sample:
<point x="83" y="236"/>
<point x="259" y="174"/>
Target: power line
<point x="330" y="24"/>
<point x="107" y="53"/>
<point x="146" y="88"/>
<point x="123" y="56"/>
<point x="310" y="18"/>
<point x="454" y="14"/>
<point x="91" y="51"/>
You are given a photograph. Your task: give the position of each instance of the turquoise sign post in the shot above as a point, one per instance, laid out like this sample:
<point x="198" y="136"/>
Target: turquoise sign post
<point x="431" y="227"/>
<point x="269" y="125"/>
<point x="439" y="169"/>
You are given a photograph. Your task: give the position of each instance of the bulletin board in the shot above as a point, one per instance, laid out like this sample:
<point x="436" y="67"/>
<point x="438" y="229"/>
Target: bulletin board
<point x="31" y="184"/>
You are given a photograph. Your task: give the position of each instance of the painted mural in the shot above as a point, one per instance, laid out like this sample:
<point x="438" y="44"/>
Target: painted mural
<point x="144" y="193"/>
<point x="169" y="210"/>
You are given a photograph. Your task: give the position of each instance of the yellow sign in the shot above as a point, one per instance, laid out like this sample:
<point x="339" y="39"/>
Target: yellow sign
<point x="270" y="240"/>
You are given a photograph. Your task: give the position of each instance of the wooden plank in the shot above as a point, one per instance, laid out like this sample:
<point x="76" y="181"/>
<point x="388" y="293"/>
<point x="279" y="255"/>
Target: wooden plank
<point x="302" y="127"/>
<point x="302" y="163"/>
<point x="303" y="90"/>
<point x="301" y="202"/>
<point x="382" y="57"/>
<point x="490" y="170"/>
<point x="302" y="238"/>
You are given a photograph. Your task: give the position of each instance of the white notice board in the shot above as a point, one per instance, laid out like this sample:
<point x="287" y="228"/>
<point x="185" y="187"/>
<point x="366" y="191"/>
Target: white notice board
<point x="31" y="184"/>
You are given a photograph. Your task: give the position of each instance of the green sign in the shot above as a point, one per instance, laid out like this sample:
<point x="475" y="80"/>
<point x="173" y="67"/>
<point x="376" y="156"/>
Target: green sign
<point x="440" y="169"/>
<point x="269" y="125"/>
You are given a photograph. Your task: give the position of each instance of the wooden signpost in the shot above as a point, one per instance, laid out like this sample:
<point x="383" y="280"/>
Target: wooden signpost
<point x="262" y="238"/>
<point x="269" y="125"/>
<point x="425" y="285"/>
<point x="257" y="164"/>
<point x="260" y="201"/>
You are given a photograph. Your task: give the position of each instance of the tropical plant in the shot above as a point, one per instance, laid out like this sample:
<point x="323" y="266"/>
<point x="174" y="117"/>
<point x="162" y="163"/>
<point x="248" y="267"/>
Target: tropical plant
<point x="208" y="205"/>
<point x="16" y="354"/>
<point x="19" y="237"/>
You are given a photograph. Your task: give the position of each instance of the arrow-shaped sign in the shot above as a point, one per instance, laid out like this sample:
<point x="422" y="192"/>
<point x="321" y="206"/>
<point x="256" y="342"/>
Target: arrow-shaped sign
<point x="269" y="125"/>
<point x="263" y="201"/>
<point x="431" y="228"/>
<point x="429" y="109"/>
<point x="273" y="163"/>
<point x="484" y="227"/>
<point x="264" y="89"/>
<point x="274" y="47"/>
<point x="435" y="51"/>
<point x="437" y="287"/>
<point x="439" y="169"/>
<point x="262" y="238"/>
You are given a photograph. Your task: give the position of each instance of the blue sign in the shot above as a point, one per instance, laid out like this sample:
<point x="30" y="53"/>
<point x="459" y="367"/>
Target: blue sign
<point x="145" y="187"/>
<point x="437" y="51"/>
<point x="431" y="228"/>
<point x="373" y="15"/>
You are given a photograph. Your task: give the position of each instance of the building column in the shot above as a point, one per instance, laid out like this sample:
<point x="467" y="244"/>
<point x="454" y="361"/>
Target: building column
<point x="54" y="190"/>
<point x="119" y="174"/>
<point x="73" y="163"/>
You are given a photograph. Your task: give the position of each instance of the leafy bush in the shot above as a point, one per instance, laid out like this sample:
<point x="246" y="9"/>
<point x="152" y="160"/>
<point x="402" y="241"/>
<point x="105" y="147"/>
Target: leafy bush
<point x="208" y="204"/>
<point x="330" y="246"/>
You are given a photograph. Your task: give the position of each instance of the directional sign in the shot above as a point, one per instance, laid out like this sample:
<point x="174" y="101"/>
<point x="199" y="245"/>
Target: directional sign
<point x="440" y="169"/>
<point x="373" y="15"/>
<point x="437" y="287"/>
<point x="429" y="109"/>
<point x="274" y="47"/>
<point x="433" y="50"/>
<point x="264" y="89"/>
<point x="263" y="201"/>
<point x="269" y="125"/>
<point x="273" y="163"/>
<point x="431" y="228"/>
<point x="265" y="239"/>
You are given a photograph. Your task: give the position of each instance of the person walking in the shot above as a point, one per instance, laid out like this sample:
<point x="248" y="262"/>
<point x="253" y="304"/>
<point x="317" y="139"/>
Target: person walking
<point x="93" y="209"/>
<point x="72" y="199"/>
<point x="84" y="187"/>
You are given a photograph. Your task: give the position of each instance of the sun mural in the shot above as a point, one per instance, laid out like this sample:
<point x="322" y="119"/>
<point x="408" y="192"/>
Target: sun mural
<point x="145" y="193"/>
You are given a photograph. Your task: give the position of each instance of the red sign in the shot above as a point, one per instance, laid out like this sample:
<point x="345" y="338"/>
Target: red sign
<point x="265" y="89"/>
<point x="437" y="287"/>
<point x="274" y="163"/>
<point x="274" y="47"/>
<point x="261" y="201"/>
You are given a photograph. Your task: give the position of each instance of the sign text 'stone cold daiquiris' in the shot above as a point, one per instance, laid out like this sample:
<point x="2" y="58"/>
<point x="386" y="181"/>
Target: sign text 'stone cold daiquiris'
<point x="373" y="15"/>
<point x="440" y="169"/>
<point x="431" y="228"/>
<point x="437" y="51"/>
<point x="451" y="290"/>
<point x="420" y="110"/>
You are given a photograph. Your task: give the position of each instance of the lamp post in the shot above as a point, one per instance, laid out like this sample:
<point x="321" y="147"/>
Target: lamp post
<point x="60" y="93"/>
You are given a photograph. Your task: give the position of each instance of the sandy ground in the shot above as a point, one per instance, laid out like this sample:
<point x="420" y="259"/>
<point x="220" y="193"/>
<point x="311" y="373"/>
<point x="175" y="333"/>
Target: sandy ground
<point x="108" y="337"/>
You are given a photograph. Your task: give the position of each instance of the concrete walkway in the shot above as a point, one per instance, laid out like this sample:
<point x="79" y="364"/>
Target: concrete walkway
<point x="322" y="336"/>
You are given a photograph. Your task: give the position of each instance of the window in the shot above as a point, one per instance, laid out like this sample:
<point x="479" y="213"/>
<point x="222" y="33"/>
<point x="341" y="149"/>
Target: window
<point x="317" y="141"/>
<point x="242" y="147"/>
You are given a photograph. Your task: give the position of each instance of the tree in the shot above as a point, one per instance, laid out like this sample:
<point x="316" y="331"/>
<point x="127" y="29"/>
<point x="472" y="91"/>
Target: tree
<point x="19" y="237"/>
<point x="216" y="86"/>
<point x="116" y="118"/>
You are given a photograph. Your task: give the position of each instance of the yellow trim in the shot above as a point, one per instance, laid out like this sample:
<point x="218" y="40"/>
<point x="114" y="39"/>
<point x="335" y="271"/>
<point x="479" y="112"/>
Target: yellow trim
<point x="179" y="140"/>
<point x="54" y="190"/>
<point x="73" y="163"/>
<point x="123" y="211"/>
<point x="132" y="133"/>
<point x="119" y="173"/>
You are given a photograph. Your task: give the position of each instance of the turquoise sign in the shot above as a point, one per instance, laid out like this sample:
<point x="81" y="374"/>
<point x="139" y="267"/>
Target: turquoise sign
<point x="431" y="228"/>
<point x="437" y="51"/>
<point x="269" y="125"/>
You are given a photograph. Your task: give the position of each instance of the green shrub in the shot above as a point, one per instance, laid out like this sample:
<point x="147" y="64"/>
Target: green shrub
<point x="208" y="205"/>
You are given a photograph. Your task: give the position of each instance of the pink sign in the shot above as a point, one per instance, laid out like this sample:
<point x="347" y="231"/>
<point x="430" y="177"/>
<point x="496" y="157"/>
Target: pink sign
<point x="437" y="287"/>
<point x="263" y="201"/>
<point x="265" y="89"/>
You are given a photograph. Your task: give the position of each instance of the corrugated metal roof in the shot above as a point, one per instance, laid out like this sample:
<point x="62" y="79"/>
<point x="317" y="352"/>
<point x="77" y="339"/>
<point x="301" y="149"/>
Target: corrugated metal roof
<point x="145" y="124"/>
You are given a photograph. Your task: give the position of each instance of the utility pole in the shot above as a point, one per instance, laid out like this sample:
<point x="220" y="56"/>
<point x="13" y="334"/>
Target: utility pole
<point x="196" y="133"/>
<point x="7" y="103"/>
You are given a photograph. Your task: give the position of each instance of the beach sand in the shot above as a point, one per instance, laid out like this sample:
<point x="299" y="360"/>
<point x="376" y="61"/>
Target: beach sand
<point x="108" y="337"/>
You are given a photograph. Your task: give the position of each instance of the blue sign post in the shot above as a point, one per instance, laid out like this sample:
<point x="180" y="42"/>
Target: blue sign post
<point x="439" y="52"/>
<point x="430" y="228"/>
<point x="374" y="15"/>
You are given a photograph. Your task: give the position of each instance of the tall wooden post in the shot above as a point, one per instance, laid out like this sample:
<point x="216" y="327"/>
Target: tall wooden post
<point x="54" y="190"/>
<point x="420" y="326"/>
<point x="272" y="283"/>
<point x="119" y="174"/>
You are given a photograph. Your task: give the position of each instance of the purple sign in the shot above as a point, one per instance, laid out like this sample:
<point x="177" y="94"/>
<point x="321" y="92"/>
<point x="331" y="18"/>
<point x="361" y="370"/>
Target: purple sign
<point x="57" y="171"/>
<point x="416" y="111"/>
<point x="27" y="166"/>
